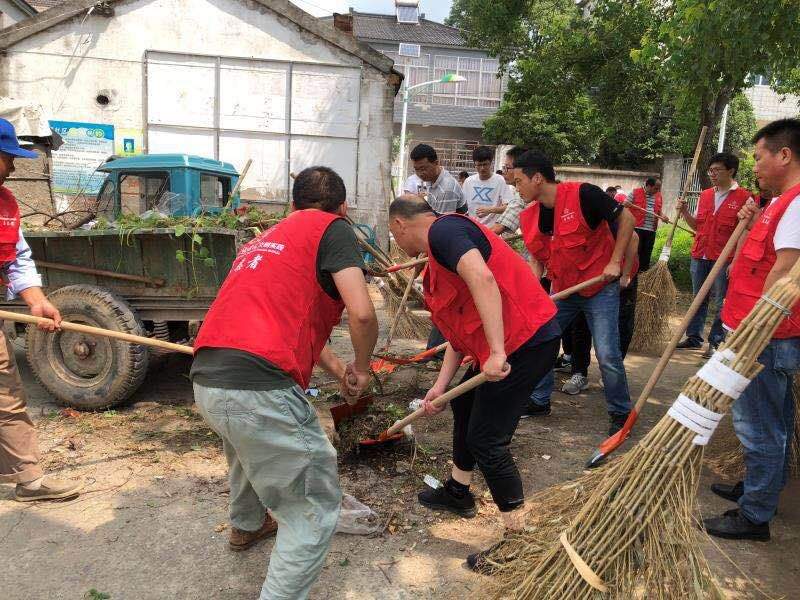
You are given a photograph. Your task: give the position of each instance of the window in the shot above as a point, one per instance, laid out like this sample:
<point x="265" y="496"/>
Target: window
<point x="409" y="50"/>
<point x="407" y="14"/>
<point x="140" y="192"/>
<point x="483" y="88"/>
<point x="758" y="79"/>
<point x="415" y="70"/>
<point x="213" y="191"/>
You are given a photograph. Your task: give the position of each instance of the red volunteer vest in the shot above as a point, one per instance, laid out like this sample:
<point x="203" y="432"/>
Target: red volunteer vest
<point x="577" y="252"/>
<point x="715" y="228"/>
<point x="751" y="267"/>
<point x="526" y="306"/>
<point x="640" y="200"/>
<point x="271" y="304"/>
<point x="537" y="243"/>
<point x="9" y="226"/>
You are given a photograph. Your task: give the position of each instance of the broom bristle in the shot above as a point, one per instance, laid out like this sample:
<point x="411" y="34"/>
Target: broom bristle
<point x="656" y="299"/>
<point x="634" y="535"/>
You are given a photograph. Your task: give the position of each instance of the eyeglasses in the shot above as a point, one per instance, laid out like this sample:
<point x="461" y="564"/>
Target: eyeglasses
<point x="715" y="170"/>
<point x="506" y="168"/>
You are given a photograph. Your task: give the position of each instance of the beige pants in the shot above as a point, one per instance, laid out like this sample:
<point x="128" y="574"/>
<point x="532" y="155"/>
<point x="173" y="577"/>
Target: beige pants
<point x="19" y="452"/>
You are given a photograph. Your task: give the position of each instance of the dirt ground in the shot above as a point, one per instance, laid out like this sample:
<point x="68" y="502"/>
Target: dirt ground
<point x="152" y="521"/>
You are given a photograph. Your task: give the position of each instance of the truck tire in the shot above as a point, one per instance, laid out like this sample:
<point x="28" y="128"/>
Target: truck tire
<point x="83" y="371"/>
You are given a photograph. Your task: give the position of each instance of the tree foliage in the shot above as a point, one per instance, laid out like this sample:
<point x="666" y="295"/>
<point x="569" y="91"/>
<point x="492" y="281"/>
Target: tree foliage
<point x="622" y="82"/>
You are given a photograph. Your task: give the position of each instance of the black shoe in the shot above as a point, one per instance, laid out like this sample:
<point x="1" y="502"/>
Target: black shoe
<point x="709" y="351"/>
<point x="563" y="364"/>
<point x="733" y="525"/>
<point x="486" y="562"/>
<point x="689" y="344"/>
<point x="536" y="410"/>
<point x="442" y="499"/>
<point x="616" y="421"/>
<point x="729" y="492"/>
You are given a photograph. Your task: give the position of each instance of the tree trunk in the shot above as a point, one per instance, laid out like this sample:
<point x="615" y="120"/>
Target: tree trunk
<point x="711" y="111"/>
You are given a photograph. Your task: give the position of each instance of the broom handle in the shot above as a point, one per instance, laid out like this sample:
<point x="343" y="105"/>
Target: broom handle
<point x="687" y="184"/>
<point x="650" y="212"/>
<point x="462" y="388"/>
<point x="109" y="333"/>
<point x="721" y="263"/>
<point x="399" y="312"/>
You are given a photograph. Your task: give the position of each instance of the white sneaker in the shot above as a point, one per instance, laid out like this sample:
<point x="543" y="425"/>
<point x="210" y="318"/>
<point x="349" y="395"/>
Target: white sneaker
<point x="575" y="384"/>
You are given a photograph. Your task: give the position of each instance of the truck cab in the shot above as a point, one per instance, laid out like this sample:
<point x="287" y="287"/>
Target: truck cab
<point x="178" y="185"/>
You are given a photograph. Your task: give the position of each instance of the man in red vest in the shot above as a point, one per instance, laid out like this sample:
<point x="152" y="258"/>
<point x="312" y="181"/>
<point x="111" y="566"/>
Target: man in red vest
<point x="577" y="218"/>
<point x="714" y="221"/>
<point x="490" y="306"/>
<point x="19" y="451"/>
<point x="763" y="416"/>
<point x="254" y="354"/>
<point x="649" y="198"/>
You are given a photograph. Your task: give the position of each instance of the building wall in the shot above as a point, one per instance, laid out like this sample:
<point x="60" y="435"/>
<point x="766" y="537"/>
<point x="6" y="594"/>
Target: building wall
<point x="768" y="105"/>
<point x="422" y="111"/>
<point x="65" y="67"/>
<point x="10" y="14"/>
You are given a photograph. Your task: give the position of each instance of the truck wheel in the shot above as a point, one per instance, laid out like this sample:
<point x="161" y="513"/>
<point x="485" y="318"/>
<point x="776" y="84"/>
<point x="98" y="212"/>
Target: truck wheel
<point x="84" y="371"/>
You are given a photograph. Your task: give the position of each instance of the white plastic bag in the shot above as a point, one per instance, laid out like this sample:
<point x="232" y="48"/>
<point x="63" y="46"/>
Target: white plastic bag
<point x="356" y="518"/>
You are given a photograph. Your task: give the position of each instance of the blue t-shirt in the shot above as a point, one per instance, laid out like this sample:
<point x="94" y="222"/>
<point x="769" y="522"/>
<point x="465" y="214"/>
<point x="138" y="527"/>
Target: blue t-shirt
<point x="451" y="237"/>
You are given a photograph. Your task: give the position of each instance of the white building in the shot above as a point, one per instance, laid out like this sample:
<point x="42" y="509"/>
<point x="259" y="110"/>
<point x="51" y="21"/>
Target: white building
<point x="229" y="79"/>
<point x="768" y="105"/>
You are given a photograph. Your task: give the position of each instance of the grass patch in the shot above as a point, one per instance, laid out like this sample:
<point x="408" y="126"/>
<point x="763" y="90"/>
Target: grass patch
<point x="679" y="259"/>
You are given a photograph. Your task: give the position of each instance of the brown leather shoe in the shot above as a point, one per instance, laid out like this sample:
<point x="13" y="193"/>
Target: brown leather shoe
<point x="242" y="540"/>
<point x="51" y="489"/>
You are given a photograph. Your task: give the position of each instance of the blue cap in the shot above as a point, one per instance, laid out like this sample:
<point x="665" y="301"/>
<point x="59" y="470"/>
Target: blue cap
<point x="9" y="144"/>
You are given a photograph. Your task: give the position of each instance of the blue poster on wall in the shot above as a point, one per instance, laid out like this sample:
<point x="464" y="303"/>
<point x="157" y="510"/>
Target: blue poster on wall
<point x="86" y="147"/>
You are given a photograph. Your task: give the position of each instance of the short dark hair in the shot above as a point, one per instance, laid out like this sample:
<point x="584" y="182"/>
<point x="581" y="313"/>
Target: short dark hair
<point x="533" y="162"/>
<point x="318" y="187"/>
<point x="463" y="174"/>
<point x="482" y="153"/>
<point x="408" y="208"/>
<point x="516" y="151"/>
<point x="650" y="181"/>
<point x="499" y="172"/>
<point x="424" y="151"/>
<point x="730" y="161"/>
<point x="784" y="133"/>
<point x="611" y="190"/>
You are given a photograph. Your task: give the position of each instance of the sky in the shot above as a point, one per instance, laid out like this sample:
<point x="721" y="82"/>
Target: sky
<point x="435" y="10"/>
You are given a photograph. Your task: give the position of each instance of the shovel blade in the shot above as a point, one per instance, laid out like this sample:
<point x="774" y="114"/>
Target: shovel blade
<point x="613" y="442"/>
<point x="344" y="411"/>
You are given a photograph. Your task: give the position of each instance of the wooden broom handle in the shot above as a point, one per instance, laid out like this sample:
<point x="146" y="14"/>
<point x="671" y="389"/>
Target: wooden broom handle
<point x="687" y="184"/>
<point x="424" y="260"/>
<point x="468" y="385"/>
<point x="721" y="263"/>
<point x="650" y="212"/>
<point x="109" y="333"/>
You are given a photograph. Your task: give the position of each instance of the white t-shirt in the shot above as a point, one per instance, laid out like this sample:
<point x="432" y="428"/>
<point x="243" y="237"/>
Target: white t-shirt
<point x="414" y="185"/>
<point x="492" y="192"/>
<point x="787" y="235"/>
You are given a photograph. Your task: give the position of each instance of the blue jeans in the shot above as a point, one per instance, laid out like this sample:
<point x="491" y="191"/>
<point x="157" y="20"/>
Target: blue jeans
<point x="602" y="315"/>
<point x="700" y="268"/>
<point x="763" y="418"/>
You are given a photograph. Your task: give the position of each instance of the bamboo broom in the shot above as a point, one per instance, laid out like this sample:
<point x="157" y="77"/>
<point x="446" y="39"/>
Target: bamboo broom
<point x="631" y="530"/>
<point x="656" y="297"/>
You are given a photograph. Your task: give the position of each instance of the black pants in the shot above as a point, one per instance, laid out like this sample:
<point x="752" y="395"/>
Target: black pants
<point x="646" y="241"/>
<point x="627" y="314"/>
<point x="435" y="338"/>
<point x="484" y="421"/>
<point x="581" y="345"/>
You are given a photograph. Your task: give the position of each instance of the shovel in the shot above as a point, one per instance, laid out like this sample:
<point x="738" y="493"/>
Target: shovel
<point x="344" y="411"/>
<point x="395" y="431"/>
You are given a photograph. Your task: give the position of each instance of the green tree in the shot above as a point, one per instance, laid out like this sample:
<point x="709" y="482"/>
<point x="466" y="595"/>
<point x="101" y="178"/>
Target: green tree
<point x="642" y="75"/>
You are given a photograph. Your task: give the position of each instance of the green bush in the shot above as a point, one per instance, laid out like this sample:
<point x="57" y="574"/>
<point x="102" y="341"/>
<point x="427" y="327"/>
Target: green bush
<point x="679" y="258"/>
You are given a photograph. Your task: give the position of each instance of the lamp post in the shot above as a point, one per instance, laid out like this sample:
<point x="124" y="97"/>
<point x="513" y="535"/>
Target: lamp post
<point x="446" y="78"/>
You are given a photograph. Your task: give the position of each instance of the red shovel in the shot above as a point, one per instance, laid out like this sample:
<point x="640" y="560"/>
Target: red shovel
<point x="616" y="440"/>
<point x="395" y="431"/>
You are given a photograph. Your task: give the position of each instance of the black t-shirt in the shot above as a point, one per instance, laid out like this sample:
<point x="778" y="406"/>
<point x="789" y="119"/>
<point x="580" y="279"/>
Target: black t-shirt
<point x="596" y="207"/>
<point x="228" y="368"/>
<point x="451" y="237"/>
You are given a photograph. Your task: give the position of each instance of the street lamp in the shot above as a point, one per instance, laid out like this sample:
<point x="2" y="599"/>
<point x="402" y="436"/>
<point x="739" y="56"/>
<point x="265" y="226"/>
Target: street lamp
<point x="446" y="78"/>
